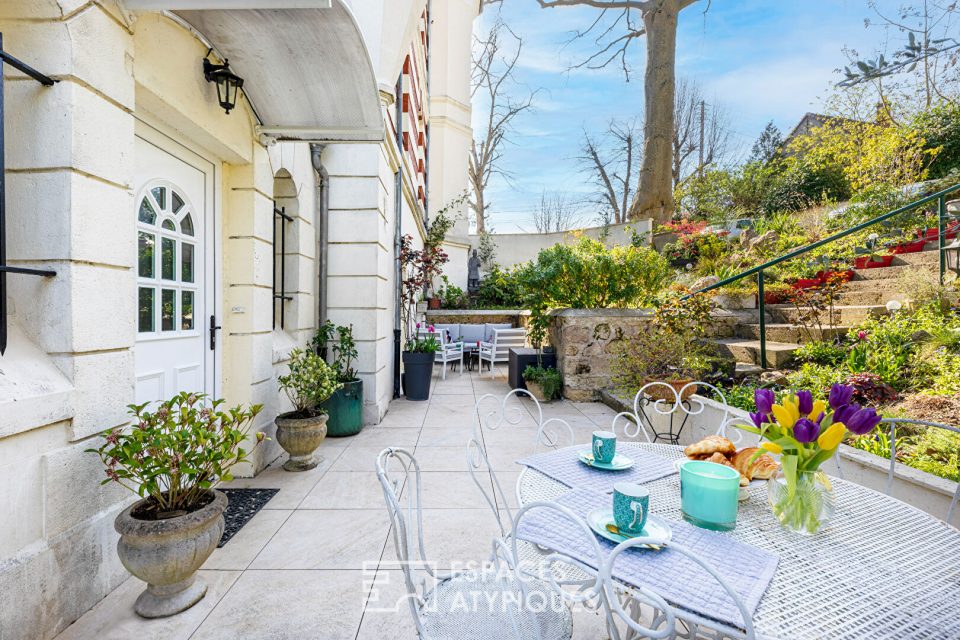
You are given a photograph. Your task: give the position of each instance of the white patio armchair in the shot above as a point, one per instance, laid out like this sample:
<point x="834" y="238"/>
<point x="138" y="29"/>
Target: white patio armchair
<point x="450" y="351"/>
<point x="498" y="349"/>
<point x="488" y="603"/>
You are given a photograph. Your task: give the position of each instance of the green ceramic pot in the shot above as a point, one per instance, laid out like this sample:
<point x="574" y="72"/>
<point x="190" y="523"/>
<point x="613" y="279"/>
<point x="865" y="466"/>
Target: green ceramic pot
<point x="345" y="408"/>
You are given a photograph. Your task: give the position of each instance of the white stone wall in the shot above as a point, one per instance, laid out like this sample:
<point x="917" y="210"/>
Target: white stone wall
<point x="517" y="248"/>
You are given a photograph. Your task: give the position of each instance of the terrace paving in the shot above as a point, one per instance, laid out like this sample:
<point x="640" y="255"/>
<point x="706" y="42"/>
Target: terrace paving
<point x="316" y="561"/>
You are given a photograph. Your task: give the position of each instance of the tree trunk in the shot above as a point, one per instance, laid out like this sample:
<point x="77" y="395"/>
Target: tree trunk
<point x="654" y="197"/>
<point x="479" y="209"/>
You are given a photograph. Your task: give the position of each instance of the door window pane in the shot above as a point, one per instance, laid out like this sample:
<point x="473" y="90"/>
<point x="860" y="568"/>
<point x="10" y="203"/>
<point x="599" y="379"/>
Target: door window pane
<point x="168" y="225"/>
<point x="186" y="225"/>
<point x="146" y="248"/>
<point x="186" y="267"/>
<point x="186" y="311"/>
<point x="147" y="215"/>
<point x="168" y="304"/>
<point x="177" y="201"/>
<point x="146" y="310"/>
<point x="168" y="259"/>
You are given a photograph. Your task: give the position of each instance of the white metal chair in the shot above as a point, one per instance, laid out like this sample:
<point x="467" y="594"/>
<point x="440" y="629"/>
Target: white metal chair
<point x="480" y="604"/>
<point x="498" y="349"/>
<point x="892" y="437"/>
<point x="663" y="622"/>
<point x="450" y="351"/>
<point x="492" y="413"/>
<point x="636" y="422"/>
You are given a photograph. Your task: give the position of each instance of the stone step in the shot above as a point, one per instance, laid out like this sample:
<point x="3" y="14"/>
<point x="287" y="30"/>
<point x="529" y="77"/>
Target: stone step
<point x="871" y="296"/>
<point x="882" y="273"/>
<point x="842" y="314"/>
<point x="926" y="258"/>
<point x="745" y="350"/>
<point x="790" y="333"/>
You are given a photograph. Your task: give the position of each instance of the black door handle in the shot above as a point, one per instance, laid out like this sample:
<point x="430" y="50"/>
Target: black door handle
<point x="214" y="327"/>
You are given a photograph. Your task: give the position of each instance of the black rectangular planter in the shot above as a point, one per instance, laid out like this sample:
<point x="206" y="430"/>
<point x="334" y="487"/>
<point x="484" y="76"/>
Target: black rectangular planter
<point x="520" y="359"/>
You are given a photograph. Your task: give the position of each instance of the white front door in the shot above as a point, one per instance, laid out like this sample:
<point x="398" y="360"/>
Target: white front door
<point x="175" y="290"/>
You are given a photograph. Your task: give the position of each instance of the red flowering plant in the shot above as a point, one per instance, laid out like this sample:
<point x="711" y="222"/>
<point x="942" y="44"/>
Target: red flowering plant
<point x="174" y="455"/>
<point x="684" y="227"/>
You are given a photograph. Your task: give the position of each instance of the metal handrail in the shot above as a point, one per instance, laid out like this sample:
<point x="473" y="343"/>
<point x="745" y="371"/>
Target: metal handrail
<point x="940" y="197"/>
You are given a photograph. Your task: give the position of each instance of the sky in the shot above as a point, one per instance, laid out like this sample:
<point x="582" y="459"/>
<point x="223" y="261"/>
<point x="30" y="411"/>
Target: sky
<point x="762" y="60"/>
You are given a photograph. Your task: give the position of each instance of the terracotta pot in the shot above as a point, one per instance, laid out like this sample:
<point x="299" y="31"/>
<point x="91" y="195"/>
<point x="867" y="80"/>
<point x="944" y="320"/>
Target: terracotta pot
<point x="300" y="437"/>
<point x="659" y="392"/>
<point x="864" y="262"/>
<point x="167" y="553"/>
<point x="909" y="247"/>
<point x="433" y="303"/>
<point x="806" y="283"/>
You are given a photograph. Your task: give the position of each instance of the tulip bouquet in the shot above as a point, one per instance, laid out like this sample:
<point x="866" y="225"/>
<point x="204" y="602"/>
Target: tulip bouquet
<point x="806" y="433"/>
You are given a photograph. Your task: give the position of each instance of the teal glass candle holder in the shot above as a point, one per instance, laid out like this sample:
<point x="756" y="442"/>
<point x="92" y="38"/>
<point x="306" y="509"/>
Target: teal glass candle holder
<point x="708" y="494"/>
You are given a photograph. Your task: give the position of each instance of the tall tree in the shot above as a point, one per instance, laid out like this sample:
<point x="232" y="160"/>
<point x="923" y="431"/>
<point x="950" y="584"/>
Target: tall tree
<point x="701" y="131"/>
<point x="768" y="146"/>
<point x="658" y="22"/>
<point x="612" y="159"/>
<point x="495" y="57"/>
<point x="557" y="212"/>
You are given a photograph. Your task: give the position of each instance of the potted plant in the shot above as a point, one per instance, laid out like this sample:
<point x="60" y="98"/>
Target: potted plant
<point x="418" y="358"/>
<point x="544" y="384"/>
<point x="345" y="407"/>
<point x="309" y="383"/>
<point x="173" y="458"/>
<point x="776" y="293"/>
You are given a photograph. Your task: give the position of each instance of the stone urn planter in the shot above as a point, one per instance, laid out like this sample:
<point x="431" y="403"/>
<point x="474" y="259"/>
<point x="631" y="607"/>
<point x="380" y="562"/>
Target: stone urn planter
<point x="167" y="553"/>
<point x="537" y="391"/>
<point x="300" y="437"/>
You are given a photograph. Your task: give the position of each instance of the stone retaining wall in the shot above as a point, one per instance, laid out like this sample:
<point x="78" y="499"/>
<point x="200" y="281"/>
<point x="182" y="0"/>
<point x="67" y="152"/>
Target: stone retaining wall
<point x="516" y="317"/>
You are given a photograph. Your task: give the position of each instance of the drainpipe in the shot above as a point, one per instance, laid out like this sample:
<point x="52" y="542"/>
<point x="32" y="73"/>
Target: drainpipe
<point x="323" y="226"/>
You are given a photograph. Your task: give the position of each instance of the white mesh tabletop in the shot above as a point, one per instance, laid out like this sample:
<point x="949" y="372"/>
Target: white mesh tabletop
<point x="881" y="568"/>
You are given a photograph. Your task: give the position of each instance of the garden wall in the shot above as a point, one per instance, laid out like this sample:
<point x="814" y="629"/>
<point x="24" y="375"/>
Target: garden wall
<point x="516" y="317"/>
<point x="517" y="248"/>
<point x="586" y="341"/>
<point x="922" y="490"/>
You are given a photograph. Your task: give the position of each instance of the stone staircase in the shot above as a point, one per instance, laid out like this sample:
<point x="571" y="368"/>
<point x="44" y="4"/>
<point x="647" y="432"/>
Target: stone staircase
<point x="865" y="296"/>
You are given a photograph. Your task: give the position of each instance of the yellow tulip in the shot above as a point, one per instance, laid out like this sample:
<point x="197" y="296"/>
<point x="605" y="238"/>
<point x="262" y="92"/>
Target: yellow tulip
<point x="830" y="439"/>
<point x="772" y="447"/>
<point x="819" y="406"/>
<point x="786" y="414"/>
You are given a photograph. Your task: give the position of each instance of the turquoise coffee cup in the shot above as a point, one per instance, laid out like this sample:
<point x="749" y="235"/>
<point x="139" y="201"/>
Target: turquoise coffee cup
<point x="631" y="503"/>
<point x="604" y="446"/>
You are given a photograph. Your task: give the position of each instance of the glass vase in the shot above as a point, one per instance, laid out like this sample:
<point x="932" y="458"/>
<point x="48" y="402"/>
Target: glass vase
<point x="810" y="508"/>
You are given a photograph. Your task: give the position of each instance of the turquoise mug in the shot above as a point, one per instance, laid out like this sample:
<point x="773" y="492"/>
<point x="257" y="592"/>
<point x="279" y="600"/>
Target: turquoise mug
<point x="604" y="446"/>
<point x="631" y="502"/>
<point x="709" y="494"/>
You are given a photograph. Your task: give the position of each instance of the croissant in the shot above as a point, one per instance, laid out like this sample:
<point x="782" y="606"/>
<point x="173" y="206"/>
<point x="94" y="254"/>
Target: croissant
<point x="719" y="458"/>
<point x="763" y="468"/>
<point x="711" y="445"/>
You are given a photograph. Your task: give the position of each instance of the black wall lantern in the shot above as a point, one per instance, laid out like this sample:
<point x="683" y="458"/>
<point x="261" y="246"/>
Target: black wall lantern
<point x="228" y="83"/>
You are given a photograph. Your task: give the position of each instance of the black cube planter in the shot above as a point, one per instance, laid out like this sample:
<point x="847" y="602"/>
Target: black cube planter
<point x="520" y="359"/>
<point x="417" y="373"/>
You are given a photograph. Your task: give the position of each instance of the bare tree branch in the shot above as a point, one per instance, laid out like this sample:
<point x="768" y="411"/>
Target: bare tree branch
<point x="610" y="160"/>
<point x="692" y="113"/>
<point x="492" y="78"/>
<point x="557" y="212"/>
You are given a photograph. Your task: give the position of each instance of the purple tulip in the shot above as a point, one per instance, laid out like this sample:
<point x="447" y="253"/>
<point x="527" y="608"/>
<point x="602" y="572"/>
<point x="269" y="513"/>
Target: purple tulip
<point x="804" y="402"/>
<point x="806" y="430"/>
<point x="844" y="413"/>
<point x="758" y="419"/>
<point x="840" y="395"/>
<point x="764" y="400"/>
<point x="863" y="421"/>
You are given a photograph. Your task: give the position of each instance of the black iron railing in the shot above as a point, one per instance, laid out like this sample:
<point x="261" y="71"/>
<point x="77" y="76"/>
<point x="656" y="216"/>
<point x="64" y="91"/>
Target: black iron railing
<point x="940" y="198"/>
<point x="6" y="58"/>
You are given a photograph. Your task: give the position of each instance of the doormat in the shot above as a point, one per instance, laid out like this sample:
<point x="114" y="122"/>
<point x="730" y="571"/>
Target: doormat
<point x="243" y="505"/>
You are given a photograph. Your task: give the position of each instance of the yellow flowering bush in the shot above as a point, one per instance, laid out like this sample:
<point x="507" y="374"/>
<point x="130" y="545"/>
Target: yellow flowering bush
<point x="309" y="382"/>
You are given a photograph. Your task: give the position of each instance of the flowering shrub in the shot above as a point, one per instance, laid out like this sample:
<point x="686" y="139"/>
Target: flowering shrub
<point x="425" y="344"/>
<point x="310" y="381"/>
<point x="684" y="227"/>
<point x="173" y="455"/>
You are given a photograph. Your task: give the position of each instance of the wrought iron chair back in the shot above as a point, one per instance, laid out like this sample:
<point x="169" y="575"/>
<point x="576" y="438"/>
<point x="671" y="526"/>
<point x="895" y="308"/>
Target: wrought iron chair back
<point x="493" y="413"/>
<point x="663" y="623"/>
<point x="891" y="435"/>
<point x="651" y="396"/>
<point x="572" y="581"/>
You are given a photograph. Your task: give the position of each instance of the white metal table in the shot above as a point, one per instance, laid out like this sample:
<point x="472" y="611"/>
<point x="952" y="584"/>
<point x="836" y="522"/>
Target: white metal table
<point x="881" y="569"/>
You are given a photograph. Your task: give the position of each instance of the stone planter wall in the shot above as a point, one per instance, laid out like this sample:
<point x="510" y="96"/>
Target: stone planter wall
<point x="924" y="491"/>
<point x="516" y="317"/>
<point x="586" y="342"/>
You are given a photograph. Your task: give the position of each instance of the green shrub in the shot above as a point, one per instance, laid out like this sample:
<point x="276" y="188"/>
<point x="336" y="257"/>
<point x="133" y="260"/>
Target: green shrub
<point x="549" y="379"/>
<point x="822" y="353"/>
<point x="500" y="288"/>
<point x="940" y="127"/>
<point x="816" y="377"/>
